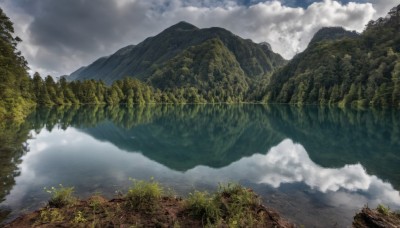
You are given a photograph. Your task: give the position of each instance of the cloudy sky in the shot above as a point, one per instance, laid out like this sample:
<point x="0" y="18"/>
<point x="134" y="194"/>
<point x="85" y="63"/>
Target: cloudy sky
<point x="61" y="36"/>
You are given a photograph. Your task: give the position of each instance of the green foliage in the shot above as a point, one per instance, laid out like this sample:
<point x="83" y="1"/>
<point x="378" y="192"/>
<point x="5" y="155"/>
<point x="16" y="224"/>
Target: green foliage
<point x="79" y="218"/>
<point x="238" y="205"/>
<point x="352" y="70"/>
<point x="383" y="210"/>
<point x="50" y="215"/>
<point x="206" y="72"/>
<point x="15" y="90"/>
<point x="203" y="206"/>
<point x="179" y="52"/>
<point x="232" y="203"/>
<point x="61" y="196"/>
<point x="356" y="71"/>
<point x="332" y="33"/>
<point x="144" y="195"/>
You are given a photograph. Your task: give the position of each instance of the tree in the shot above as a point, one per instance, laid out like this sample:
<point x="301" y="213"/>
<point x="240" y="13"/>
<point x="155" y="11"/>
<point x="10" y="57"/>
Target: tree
<point x="14" y="102"/>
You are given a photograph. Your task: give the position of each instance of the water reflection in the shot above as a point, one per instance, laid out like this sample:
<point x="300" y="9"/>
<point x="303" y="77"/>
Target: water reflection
<point x="289" y="162"/>
<point x="13" y="145"/>
<point x="77" y="159"/>
<point x="342" y="159"/>
<point x="370" y="137"/>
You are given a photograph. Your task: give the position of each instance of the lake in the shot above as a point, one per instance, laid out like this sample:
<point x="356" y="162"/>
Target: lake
<point x="316" y="166"/>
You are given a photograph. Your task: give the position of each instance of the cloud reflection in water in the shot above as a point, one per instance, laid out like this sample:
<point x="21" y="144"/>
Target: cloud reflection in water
<point x="289" y="162"/>
<point x="89" y="164"/>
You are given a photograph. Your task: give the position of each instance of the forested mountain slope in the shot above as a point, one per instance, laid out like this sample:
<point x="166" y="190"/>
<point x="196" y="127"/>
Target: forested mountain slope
<point x="172" y="54"/>
<point x="360" y="71"/>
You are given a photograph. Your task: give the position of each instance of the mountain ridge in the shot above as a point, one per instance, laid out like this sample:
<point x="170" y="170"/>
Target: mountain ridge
<point x="332" y="34"/>
<point x="142" y="60"/>
<point x="352" y="71"/>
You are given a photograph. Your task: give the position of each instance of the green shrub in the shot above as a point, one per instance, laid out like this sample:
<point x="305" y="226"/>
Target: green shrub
<point x="50" y="215"/>
<point x="237" y="196"/>
<point x="79" y="218"/>
<point x="232" y="203"/>
<point x="144" y="195"/>
<point x="237" y="205"/>
<point x="61" y="196"/>
<point x="383" y="210"/>
<point x="201" y="205"/>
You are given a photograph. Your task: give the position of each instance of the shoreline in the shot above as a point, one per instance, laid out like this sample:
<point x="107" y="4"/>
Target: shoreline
<point x="146" y="204"/>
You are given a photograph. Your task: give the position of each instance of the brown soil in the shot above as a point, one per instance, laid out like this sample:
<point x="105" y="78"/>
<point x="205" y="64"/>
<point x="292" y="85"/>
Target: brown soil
<point x="100" y="212"/>
<point x="372" y="218"/>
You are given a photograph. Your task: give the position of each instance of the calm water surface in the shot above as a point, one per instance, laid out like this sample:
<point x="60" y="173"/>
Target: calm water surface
<point x="316" y="166"/>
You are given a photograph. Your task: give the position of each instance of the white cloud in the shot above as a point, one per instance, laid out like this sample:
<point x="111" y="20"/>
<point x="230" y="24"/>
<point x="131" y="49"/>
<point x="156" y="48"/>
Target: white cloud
<point x="382" y="7"/>
<point x="110" y="25"/>
<point x="287" y="29"/>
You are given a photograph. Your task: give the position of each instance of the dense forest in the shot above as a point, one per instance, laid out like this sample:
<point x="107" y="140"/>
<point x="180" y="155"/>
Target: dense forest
<point x="338" y="67"/>
<point x="15" y="83"/>
<point x="355" y="70"/>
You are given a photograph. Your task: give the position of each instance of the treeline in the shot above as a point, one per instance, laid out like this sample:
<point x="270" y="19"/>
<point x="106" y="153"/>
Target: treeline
<point x="127" y="91"/>
<point x="360" y="71"/>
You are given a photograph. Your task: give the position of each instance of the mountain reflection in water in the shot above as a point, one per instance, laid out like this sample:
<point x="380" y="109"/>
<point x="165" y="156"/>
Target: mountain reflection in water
<point x="342" y="159"/>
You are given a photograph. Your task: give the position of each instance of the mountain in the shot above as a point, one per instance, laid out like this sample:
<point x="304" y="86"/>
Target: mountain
<point x="332" y="33"/>
<point x="75" y="74"/>
<point x="352" y="70"/>
<point x="184" y="56"/>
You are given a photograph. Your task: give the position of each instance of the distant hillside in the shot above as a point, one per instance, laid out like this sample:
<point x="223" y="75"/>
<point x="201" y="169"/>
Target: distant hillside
<point x="357" y="70"/>
<point x="184" y="55"/>
<point x="332" y="33"/>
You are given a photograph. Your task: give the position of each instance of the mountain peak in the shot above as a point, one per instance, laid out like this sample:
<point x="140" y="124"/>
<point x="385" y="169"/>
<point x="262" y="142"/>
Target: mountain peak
<point x="183" y="25"/>
<point x="332" y="33"/>
<point x="266" y="44"/>
<point x="177" y="46"/>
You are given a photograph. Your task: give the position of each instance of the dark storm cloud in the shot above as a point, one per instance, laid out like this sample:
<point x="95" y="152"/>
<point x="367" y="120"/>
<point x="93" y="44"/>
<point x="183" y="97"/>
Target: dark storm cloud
<point x="80" y="24"/>
<point x="81" y="29"/>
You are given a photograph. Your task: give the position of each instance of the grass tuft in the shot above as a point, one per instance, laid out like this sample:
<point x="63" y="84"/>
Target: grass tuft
<point x="61" y="196"/>
<point x="232" y="203"/>
<point x="383" y="210"/>
<point x="79" y="218"/>
<point x="50" y="215"/>
<point x="202" y="206"/>
<point x="238" y="205"/>
<point x="144" y="195"/>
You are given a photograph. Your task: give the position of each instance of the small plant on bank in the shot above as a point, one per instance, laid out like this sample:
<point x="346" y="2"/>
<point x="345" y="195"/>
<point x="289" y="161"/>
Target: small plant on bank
<point x="144" y="195"/>
<point x="79" y="218"/>
<point x="50" y="215"/>
<point x="203" y="206"/>
<point x="238" y="205"/>
<point x="233" y="203"/>
<point x="61" y="196"/>
<point x="95" y="202"/>
<point x="383" y="210"/>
